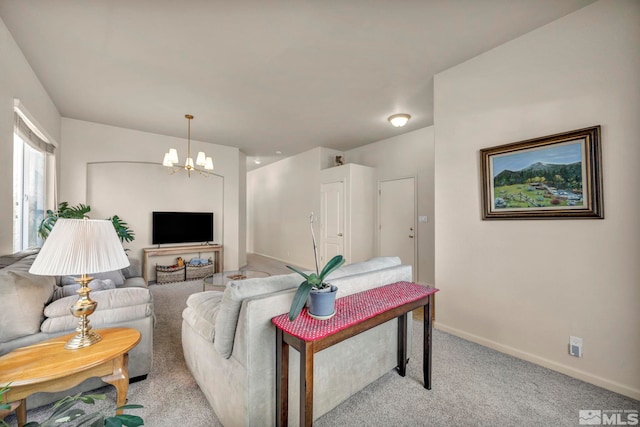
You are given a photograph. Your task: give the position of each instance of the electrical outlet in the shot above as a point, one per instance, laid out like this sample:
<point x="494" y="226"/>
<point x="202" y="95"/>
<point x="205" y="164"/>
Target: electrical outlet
<point x="575" y="346"/>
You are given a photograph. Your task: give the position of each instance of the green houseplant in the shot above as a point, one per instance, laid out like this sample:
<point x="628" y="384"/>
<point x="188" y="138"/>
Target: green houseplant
<point x="314" y="281"/>
<point x="66" y="413"/>
<point x="125" y="234"/>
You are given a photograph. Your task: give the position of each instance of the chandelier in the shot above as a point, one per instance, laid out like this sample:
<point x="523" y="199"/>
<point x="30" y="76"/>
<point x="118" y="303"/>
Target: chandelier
<point x="202" y="165"/>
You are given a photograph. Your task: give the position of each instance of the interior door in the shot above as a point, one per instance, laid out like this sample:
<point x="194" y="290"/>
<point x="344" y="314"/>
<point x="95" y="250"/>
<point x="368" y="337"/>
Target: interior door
<point x="397" y="225"/>
<point x="332" y="219"/>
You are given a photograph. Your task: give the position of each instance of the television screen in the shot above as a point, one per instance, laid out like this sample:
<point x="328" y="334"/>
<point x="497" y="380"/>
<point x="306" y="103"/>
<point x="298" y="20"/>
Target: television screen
<point x="182" y="227"/>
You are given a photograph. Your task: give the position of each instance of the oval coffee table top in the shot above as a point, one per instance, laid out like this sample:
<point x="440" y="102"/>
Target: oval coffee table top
<point x="49" y="360"/>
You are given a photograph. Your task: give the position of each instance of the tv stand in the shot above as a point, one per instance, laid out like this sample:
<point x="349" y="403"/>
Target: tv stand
<point x="183" y="250"/>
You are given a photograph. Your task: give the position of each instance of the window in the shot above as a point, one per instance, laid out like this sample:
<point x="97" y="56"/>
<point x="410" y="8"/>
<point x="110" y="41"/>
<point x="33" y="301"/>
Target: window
<point x="29" y="184"/>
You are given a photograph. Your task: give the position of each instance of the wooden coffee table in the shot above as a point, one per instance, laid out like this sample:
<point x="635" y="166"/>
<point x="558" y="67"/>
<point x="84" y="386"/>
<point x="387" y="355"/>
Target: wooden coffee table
<point x="48" y="367"/>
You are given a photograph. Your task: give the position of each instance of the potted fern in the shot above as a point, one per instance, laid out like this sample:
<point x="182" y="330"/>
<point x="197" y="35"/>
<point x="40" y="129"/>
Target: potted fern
<point x="321" y="295"/>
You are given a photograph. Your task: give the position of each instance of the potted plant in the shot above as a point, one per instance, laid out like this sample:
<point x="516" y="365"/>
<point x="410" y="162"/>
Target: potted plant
<point x="125" y="234"/>
<point x="321" y="295"/>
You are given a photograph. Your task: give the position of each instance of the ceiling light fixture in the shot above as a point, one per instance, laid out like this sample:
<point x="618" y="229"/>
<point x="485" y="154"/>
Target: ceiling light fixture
<point x="171" y="157"/>
<point x="399" y="120"/>
<point x="257" y="161"/>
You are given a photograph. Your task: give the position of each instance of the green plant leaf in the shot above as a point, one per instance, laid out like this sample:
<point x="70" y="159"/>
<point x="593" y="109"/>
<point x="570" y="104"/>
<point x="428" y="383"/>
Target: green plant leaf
<point x="4" y="406"/>
<point x="332" y="265"/>
<point x="306" y="276"/>
<point x="63" y="211"/>
<point x="129" y="420"/>
<point x="314" y="280"/>
<point x="63" y="405"/>
<point x="132" y="406"/>
<point x="92" y="419"/>
<point x="299" y="300"/>
<point x="125" y="234"/>
<point x="112" y="422"/>
<point x="93" y="397"/>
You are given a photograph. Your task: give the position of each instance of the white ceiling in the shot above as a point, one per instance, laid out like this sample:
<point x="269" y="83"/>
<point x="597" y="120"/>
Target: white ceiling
<point x="261" y="75"/>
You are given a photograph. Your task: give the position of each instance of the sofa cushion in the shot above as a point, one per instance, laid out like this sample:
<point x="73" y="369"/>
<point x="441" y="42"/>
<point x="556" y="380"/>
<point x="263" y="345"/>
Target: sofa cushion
<point x="23" y="297"/>
<point x="114" y="306"/>
<point x="236" y="292"/>
<point x="133" y="270"/>
<point x="7" y="260"/>
<point x="134" y="282"/>
<point x="372" y="264"/>
<point x="116" y="276"/>
<point x="95" y="285"/>
<point x="201" y="312"/>
<point x="239" y="290"/>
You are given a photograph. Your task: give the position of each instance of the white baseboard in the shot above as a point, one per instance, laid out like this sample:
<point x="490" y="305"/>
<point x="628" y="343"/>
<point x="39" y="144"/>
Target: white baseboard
<point x="529" y="357"/>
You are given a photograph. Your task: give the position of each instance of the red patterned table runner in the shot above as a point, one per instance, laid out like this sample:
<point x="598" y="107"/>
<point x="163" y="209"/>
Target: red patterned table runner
<point x="353" y="309"/>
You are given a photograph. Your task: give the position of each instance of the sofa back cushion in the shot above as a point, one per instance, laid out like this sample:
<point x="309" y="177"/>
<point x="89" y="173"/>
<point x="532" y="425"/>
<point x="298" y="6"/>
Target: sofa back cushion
<point x="239" y="290"/>
<point x="23" y="297"/>
<point x="114" y="306"/>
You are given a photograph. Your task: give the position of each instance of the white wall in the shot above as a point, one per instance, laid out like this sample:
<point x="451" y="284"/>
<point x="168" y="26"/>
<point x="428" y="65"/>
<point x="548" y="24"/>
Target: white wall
<point x="106" y="147"/>
<point x="523" y="287"/>
<point x="403" y="156"/>
<point x="280" y="198"/>
<point x="17" y="80"/>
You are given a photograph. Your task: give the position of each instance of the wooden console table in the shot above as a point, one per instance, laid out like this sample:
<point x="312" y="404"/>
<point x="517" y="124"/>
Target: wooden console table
<point x="47" y="366"/>
<point x="354" y="314"/>
<point x="185" y="249"/>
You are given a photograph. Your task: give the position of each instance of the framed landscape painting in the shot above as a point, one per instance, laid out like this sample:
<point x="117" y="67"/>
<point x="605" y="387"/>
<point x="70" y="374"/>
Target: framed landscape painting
<point x="556" y="176"/>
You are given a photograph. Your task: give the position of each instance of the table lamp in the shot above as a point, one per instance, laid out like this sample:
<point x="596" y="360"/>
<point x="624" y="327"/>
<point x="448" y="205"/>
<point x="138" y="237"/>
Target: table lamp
<point x="81" y="247"/>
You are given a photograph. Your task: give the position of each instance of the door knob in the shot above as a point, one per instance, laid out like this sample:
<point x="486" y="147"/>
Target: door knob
<point x="410" y="236"/>
<point x="339" y="234"/>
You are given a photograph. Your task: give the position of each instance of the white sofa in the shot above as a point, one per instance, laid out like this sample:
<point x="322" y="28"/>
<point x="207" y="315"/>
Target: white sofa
<point x="229" y="345"/>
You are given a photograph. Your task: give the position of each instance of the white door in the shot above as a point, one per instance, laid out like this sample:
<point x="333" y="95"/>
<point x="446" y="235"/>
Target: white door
<point x="332" y="219"/>
<point x="397" y="220"/>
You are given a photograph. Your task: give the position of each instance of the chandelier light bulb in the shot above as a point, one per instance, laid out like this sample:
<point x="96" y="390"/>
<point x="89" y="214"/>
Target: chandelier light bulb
<point x="200" y="160"/>
<point x="173" y="156"/>
<point x="208" y="164"/>
<point x="167" y="160"/>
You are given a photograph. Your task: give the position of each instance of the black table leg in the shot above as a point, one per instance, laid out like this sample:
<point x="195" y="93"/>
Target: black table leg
<point x="402" y="344"/>
<point x="426" y="357"/>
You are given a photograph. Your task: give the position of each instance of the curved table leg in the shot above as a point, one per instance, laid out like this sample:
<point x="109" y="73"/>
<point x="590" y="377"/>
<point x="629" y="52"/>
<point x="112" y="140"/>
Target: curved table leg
<point x="20" y="406"/>
<point x="120" y="380"/>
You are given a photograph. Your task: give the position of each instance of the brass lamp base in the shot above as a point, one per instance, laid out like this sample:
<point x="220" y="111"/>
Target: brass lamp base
<point x="81" y="341"/>
<point x="82" y="308"/>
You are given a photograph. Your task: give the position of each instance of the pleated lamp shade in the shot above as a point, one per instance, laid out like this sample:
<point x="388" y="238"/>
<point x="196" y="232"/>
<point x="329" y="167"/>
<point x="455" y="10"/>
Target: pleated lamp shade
<point x="80" y="246"/>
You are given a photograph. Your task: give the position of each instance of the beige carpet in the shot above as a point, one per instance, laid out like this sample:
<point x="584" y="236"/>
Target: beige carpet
<point x="472" y="385"/>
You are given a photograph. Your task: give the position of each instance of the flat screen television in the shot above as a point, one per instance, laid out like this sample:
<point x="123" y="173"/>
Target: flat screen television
<point x="182" y="227"/>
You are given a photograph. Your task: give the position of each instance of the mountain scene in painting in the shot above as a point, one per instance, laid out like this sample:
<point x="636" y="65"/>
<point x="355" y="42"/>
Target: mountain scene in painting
<point x="552" y="177"/>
